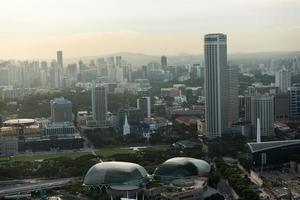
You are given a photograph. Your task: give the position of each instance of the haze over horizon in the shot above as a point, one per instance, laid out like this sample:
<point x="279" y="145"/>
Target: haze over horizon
<point x="36" y="29"/>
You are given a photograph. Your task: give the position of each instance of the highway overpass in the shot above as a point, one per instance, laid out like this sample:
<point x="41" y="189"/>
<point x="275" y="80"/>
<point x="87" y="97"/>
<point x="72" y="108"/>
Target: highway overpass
<point x="32" y="187"/>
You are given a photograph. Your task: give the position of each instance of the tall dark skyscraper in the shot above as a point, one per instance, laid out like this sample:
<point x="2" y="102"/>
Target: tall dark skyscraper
<point x="233" y="95"/>
<point x="216" y="84"/>
<point x="294" y="102"/>
<point x="59" y="58"/>
<point x="144" y="104"/>
<point x="99" y="105"/>
<point x="164" y="62"/>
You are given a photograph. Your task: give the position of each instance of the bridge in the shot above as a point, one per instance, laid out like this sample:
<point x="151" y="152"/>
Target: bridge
<point x="32" y="187"/>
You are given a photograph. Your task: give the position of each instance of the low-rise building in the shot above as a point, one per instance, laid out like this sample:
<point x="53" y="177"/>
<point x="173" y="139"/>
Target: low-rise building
<point x="60" y="130"/>
<point x="21" y="135"/>
<point x="8" y="145"/>
<point x="273" y="152"/>
<point x="170" y="92"/>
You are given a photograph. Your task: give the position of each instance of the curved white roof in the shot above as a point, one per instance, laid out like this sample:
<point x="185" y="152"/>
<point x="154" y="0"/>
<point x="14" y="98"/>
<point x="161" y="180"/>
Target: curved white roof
<point x="262" y="146"/>
<point x="115" y="173"/>
<point x="12" y="122"/>
<point x="181" y="167"/>
<point x="202" y="166"/>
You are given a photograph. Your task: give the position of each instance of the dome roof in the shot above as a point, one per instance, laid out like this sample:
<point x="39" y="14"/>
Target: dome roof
<point x="181" y="167"/>
<point x="115" y="173"/>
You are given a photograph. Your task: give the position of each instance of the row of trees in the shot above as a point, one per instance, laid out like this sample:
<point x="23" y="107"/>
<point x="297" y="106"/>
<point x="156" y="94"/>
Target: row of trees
<point x="165" y="135"/>
<point x="49" y="168"/>
<point x="227" y="146"/>
<point x="241" y="184"/>
<point x="62" y="167"/>
<point x="38" y="105"/>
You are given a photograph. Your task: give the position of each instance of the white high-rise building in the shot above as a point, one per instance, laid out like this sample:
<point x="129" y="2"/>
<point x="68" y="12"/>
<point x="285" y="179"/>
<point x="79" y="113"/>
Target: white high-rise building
<point x="72" y="71"/>
<point x="296" y="65"/>
<point x="55" y="74"/>
<point x="118" y="61"/>
<point x="216" y="84"/>
<point x="44" y="78"/>
<point x="119" y="75"/>
<point x="4" y="76"/>
<point x="101" y="67"/>
<point x="283" y="80"/>
<point x="99" y="105"/>
<point x="263" y="108"/>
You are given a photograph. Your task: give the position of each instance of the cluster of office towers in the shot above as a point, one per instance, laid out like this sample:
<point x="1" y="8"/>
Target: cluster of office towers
<point x="221" y="86"/>
<point x="99" y="106"/>
<point x="32" y="74"/>
<point x="222" y="100"/>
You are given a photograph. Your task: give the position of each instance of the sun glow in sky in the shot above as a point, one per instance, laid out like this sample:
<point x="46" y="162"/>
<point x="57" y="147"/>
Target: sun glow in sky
<point x="37" y="28"/>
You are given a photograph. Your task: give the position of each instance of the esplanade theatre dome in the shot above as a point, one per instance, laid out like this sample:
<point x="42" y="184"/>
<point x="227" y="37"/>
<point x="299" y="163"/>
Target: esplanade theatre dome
<point x="181" y="167"/>
<point x="116" y="173"/>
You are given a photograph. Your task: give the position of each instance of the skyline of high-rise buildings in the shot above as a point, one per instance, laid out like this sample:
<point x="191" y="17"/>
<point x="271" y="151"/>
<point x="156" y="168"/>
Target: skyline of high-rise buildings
<point x="220" y="88"/>
<point x="150" y="100"/>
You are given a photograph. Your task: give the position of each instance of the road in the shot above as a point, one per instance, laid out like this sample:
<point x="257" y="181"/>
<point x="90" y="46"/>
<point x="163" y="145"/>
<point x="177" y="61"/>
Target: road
<point x="40" y="185"/>
<point x="225" y="189"/>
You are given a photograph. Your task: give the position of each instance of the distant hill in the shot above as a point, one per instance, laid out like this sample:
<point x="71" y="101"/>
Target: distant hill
<point x="139" y="59"/>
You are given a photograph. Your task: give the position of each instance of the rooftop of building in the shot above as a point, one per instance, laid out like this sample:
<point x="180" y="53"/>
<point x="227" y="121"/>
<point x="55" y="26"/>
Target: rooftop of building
<point x="187" y="120"/>
<point x="215" y="34"/>
<point x="261" y="146"/>
<point x="181" y="167"/>
<point x="60" y="125"/>
<point x="19" y="122"/>
<point x="116" y="173"/>
<point x="60" y="100"/>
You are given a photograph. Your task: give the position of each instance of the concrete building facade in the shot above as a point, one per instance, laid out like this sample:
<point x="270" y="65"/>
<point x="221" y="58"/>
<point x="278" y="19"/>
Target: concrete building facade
<point x="294" y="102"/>
<point x="216" y="84"/>
<point x="233" y="112"/>
<point x="144" y="104"/>
<point x="283" y="80"/>
<point x="262" y="107"/>
<point x="61" y="110"/>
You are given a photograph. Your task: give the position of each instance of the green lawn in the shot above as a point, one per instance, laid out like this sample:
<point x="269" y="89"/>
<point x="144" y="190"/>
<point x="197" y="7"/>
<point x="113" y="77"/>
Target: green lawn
<point x="106" y="152"/>
<point x="42" y="156"/>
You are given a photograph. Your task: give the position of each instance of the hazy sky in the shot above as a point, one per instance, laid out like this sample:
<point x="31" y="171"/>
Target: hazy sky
<point x="37" y="28"/>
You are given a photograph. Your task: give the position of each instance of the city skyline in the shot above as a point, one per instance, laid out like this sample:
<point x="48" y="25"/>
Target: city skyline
<point x="106" y="27"/>
<point x="143" y="99"/>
